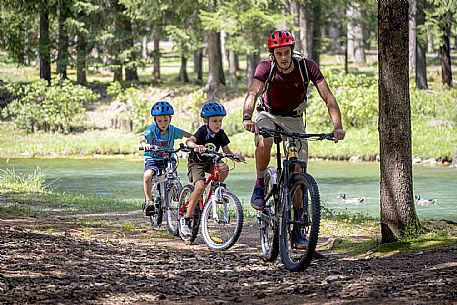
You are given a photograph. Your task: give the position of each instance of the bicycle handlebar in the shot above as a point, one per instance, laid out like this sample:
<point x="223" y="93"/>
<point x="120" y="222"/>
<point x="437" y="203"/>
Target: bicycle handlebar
<point x="155" y="148"/>
<point x="212" y="154"/>
<point x="267" y="132"/>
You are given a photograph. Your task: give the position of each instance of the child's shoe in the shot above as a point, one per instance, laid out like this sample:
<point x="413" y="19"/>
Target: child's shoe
<point x="148" y="208"/>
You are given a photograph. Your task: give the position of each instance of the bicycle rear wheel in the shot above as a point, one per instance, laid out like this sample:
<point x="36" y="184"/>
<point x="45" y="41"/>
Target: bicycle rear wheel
<point x="183" y="199"/>
<point x="222" y="222"/>
<point x="303" y="221"/>
<point x="268" y="224"/>
<point x="173" y="207"/>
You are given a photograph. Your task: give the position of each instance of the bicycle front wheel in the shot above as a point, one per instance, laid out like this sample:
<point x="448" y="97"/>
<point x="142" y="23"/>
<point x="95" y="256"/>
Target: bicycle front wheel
<point x="173" y="207"/>
<point x="183" y="200"/>
<point x="222" y="222"/>
<point x="268" y="224"/>
<point x="300" y="222"/>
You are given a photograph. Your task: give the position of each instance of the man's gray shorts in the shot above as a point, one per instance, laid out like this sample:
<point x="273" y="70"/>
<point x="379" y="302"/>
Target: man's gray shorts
<point x="290" y="124"/>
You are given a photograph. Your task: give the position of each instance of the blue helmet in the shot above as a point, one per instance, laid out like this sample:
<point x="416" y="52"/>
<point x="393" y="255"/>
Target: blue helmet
<point x="162" y="108"/>
<point x="212" y="109"/>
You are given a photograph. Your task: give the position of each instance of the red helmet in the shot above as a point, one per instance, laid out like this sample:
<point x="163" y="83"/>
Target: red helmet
<point x="279" y="39"/>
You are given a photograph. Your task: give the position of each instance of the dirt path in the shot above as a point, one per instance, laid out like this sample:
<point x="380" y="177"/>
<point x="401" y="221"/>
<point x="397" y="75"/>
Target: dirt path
<point x="118" y="259"/>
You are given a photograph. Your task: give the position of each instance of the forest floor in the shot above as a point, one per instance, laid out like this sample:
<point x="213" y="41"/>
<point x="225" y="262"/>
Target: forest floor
<point x="116" y="258"/>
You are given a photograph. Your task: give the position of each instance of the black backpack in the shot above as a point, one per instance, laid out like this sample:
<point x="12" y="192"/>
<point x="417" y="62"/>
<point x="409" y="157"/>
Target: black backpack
<point x="304" y="75"/>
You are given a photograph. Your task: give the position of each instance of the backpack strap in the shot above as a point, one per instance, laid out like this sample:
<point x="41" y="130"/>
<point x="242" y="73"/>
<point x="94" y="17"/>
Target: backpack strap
<point x="261" y="106"/>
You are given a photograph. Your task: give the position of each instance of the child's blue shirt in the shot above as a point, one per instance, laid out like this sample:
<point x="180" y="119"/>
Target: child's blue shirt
<point x="166" y="141"/>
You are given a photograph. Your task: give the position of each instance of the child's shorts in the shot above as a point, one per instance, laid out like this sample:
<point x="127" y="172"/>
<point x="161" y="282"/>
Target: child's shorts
<point x="196" y="170"/>
<point x="155" y="165"/>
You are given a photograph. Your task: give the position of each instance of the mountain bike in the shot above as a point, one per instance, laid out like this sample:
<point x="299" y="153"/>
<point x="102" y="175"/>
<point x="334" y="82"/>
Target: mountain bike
<point x="220" y="213"/>
<point x="166" y="187"/>
<point x="292" y="203"/>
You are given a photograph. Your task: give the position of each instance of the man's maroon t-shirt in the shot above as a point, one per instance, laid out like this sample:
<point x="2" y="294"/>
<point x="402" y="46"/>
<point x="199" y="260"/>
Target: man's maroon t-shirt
<point x="286" y="90"/>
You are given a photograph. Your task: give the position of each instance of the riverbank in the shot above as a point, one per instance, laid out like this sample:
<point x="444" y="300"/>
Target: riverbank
<point x="437" y="145"/>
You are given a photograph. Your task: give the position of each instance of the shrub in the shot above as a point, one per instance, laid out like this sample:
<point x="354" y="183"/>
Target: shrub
<point x="58" y="106"/>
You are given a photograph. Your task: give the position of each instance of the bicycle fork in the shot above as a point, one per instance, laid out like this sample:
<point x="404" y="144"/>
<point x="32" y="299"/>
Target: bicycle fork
<point x="217" y="198"/>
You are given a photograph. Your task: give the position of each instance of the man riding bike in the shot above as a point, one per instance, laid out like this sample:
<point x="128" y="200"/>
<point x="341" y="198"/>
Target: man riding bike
<point x="281" y="82"/>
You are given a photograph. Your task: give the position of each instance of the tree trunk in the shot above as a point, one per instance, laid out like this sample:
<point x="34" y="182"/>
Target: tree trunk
<point x="198" y="65"/>
<point x="445" y="49"/>
<point x="81" y="52"/>
<point x="252" y="60"/>
<point x="334" y="32"/>
<point x="398" y="214"/>
<point x="445" y="59"/>
<point x="430" y="48"/>
<point x="305" y="45"/>
<point x="131" y="73"/>
<point x="232" y="69"/>
<point x="183" y="77"/>
<point x="356" y="49"/>
<point x="421" y="60"/>
<point x="219" y="60"/>
<point x="45" y="44"/>
<point x="295" y="11"/>
<point x="27" y="49"/>
<point x="213" y="63"/>
<point x="62" y="53"/>
<point x="156" y="57"/>
<point x="144" y="48"/>
<point x="316" y="33"/>
<point x="412" y="36"/>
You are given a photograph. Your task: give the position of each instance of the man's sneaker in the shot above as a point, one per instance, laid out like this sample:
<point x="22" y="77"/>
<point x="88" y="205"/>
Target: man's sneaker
<point x="148" y="208"/>
<point x="257" y="198"/>
<point x="184" y="226"/>
<point x="298" y="240"/>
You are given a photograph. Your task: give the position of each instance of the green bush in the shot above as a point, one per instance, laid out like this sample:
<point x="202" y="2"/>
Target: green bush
<point x="58" y="106"/>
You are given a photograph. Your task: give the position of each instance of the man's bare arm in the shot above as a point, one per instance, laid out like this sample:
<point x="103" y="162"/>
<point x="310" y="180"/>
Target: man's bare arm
<point x="333" y="109"/>
<point x="249" y="104"/>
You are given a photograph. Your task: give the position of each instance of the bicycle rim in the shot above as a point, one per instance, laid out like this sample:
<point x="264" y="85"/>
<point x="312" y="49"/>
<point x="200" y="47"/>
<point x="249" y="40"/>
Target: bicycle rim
<point x="222" y="222"/>
<point x="303" y="191"/>
<point x="269" y="231"/>
<point x="173" y="208"/>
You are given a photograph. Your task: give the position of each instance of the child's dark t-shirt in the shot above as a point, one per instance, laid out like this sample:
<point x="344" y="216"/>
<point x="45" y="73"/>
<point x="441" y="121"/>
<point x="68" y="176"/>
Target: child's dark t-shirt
<point x="203" y="138"/>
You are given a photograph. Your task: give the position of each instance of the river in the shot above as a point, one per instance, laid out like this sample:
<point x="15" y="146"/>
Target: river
<point x="122" y="177"/>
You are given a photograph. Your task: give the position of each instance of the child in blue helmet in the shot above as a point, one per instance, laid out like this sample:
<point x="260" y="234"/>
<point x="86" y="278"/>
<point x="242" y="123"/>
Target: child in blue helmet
<point x="210" y="135"/>
<point x="162" y="134"/>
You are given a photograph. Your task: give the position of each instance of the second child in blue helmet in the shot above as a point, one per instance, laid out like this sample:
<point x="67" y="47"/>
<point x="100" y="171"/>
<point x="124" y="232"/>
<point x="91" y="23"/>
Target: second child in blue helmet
<point x="162" y="135"/>
<point x="212" y="136"/>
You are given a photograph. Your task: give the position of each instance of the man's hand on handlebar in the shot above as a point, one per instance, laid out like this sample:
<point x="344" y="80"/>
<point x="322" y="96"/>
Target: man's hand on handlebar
<point x="249" y="125"/>
<point x="200" y="149"/>
<point x="338" y="134"/>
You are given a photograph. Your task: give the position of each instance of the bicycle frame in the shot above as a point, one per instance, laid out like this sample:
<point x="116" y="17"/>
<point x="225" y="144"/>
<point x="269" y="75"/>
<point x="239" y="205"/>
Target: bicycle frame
<point x="213" y="179"/>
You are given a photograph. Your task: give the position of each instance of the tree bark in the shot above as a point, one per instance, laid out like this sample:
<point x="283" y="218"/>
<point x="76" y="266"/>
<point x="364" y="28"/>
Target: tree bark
<point x="232" y="69"/>
<point x="198" y="64"/>
<point x="305" y="46"/>
<point x="252" y="61"/>
<point x="295" y="11"/>
<point x="62" y="53"/>
<point x="334" y="32"/>
<point x="131" y="73"/>
<point x="144" y="48"/>
<point x="156" y="57"/>
<point x="220" y="60"/>
<point x="44" y="44"/>
<point x="445" y="59"/>
<point x="421" y="42"/>
<point x="445" y="49"/>
<point x="213" y="62"/>
<point x="398" y="214"/>
<point x="356" y="49"/>
<point x="412" y="36"/>
<point x="183" y="77"/>
<point x="81" y="52"/>
<point x="316" y="33"/>
<point x="430" y="48"/>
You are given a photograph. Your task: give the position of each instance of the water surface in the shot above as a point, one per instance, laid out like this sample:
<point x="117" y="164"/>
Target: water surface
<point x="122" y="177"/>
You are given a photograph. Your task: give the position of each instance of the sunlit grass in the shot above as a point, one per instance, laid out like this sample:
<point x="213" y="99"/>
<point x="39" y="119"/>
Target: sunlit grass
<point x="34" y="182"/>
